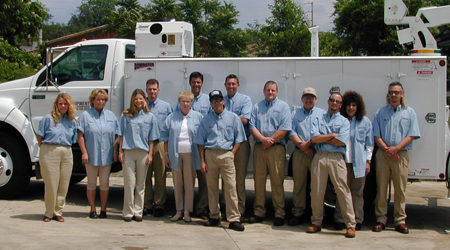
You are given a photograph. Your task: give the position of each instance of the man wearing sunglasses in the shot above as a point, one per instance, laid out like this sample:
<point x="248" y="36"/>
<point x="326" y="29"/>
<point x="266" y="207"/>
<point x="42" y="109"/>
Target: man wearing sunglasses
<point x="330" y="133"/>
<point x="219" y="137"/>
<point x="395" y="126"/>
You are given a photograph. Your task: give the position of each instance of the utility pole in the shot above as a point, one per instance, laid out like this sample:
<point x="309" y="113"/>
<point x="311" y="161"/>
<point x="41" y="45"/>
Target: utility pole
<point x="312" y="12"/>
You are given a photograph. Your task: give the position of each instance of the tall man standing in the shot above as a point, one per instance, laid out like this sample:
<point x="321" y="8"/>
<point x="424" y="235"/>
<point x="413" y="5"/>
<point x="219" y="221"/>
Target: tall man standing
<point x="155" y="198"/>
<point x="304" y="150"/>
<point x="395" y="126"/>
<point x="330" y="132"/>
<point x="241" y="105"/>
<point x="269" y="123"/>
<point x="200" y="104"/>
<point x="219" y="137"/>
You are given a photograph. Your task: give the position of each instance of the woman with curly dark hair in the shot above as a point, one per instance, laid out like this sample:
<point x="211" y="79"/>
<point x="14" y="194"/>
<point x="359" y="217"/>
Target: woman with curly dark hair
<point x="358" y="154"/>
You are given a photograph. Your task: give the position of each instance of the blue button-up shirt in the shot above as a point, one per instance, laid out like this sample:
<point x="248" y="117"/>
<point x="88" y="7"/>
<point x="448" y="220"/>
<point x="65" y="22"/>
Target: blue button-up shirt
<point x="393" y="127"/>
<point x="326" y="124"/>
<point x="241" y="105"/>
<point x="301" y="122"/>
<point x="201" y="104"/>
<point x="268" y="117"/>
<point x="170" y="133"/>
<point x="99" y="134"/>
<point x="137" y="131"/>
<point x="220" y="131"/>
<point x="360" y="146"/>
<point x="160" y="109"/>
<point x="63" y="133"/>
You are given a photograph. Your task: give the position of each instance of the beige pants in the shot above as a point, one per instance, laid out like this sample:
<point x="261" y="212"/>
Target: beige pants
<point x="156" y="198"/>
<point x="56" y="164"/>
<point x="103" y="175"/>
<point x="269" y="162"/>
<point x="221" y="162"/>
<point x="241" y="163"/>
<point x="183" y="183"/>
<point x="356" y="186"/>
<point x="134" y="173"/>
<point x="301" y="165"/>
<point x="399" y="171"/>
<point x="332" y="165"/>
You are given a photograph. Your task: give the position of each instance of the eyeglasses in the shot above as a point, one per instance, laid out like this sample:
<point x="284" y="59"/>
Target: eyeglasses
<point x="394" y="92"/>
<point x="334" y="100"/>
<point x="214" y="101"/>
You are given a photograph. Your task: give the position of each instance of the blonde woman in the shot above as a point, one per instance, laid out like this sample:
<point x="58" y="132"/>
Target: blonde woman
<point x="137" y="131"/>
<point x="56" y="134"/>
<point x="97" y="130"/>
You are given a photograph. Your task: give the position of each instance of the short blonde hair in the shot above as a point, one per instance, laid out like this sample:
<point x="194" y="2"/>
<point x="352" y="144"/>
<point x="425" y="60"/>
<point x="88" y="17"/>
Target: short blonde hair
<point x="187" y="94"/>
<point x="95" y="93"/>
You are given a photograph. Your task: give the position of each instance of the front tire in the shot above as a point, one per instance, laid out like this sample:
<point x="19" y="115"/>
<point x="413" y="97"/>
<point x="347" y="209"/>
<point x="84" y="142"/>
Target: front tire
<point x="15" y="167"/>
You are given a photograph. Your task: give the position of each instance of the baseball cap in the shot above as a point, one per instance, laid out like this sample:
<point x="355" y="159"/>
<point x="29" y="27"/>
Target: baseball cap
<point x="215" y="93"/>
<point x="309" y="91"/>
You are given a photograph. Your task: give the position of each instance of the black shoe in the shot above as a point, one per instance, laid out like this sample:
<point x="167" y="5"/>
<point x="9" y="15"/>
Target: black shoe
<point x="358" y="226"/>
<point x="93" y="215"/>
<point x="127" y="219"/>
<point x="340" y="226"/>
<point x="236" y="225"/>
<point x="255" y="219"/>
<point x="278" y="222"/>
<point x="137" y="218"/>
<point x="146" y="211"/>
<point x="296" y="220"/>
<point x="102" y="215"/>
<point x="158" y="212"/>
<point x="212" y="222"/>
<point x="203" y="215"/>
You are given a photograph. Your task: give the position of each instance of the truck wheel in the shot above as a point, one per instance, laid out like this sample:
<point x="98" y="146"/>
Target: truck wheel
<point x="15" y="167"/>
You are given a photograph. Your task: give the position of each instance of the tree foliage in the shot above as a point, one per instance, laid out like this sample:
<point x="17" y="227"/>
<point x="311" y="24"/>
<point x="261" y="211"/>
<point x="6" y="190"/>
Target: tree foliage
<point x="91" y="14"/>
<point x="285" y="33"/>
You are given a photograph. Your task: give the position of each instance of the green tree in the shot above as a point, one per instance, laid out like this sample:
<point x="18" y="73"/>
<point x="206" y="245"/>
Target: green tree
<point x="285" y="33"/>
<point x="53" y="30"/>
<point x="16" y="63"/>
<point x="20" y="18"/>
<point x="160" y="9"/>
<point x="124" y="19"/>
<point x="90" y="14"/>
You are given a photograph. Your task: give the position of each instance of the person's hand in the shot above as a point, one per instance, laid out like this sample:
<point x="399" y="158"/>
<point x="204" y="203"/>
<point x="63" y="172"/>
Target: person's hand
<point x="85" y="158"/>
<point x="267" y="142"/>
<point x="121" y="157"/>
<point x="367" y="168"/>
<point x="304" y="146"/>
<point x="149" y="159"/>
<point x="167" y="161"/>
<point x="204" y="168"/>
<point x="310" y="152"/>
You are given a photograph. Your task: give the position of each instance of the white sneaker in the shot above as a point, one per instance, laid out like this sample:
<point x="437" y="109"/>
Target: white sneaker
<point x="177" y="216"/>
<point x="187" y="216"/>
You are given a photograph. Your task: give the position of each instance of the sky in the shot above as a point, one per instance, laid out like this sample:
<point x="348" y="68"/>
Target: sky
<point x="249" y="10"/>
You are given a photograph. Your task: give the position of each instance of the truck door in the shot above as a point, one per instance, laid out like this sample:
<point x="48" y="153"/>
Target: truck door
<point x="77" y="73"/>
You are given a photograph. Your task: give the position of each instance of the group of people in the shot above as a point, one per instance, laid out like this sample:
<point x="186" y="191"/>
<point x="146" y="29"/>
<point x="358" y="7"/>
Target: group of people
<point x="207" y="137"/>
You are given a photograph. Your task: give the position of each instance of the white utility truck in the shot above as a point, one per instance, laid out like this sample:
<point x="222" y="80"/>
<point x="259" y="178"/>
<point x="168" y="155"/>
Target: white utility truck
<point x="163" y="49"/>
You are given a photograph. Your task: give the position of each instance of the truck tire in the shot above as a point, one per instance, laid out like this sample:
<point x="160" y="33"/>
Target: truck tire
<point x="15" y="167"/>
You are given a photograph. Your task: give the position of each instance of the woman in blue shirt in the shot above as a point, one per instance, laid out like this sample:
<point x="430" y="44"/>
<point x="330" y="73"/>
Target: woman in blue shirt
<point x="97" y="130"/>
<point x="56" y="134"/>
<point x="137" y="130"/>
<point x="358" y="154"/>
<point x="182" y="154"/>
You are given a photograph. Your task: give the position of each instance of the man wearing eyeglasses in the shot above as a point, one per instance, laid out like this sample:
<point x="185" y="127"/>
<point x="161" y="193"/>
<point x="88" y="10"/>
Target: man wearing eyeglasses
<point x="330" y="132"/>
<point x="395" y="126"/>
<point x="219" y="137"/>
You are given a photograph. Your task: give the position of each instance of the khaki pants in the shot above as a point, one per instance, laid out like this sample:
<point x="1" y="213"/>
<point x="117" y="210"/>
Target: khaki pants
<point x="183" y="183"/>
<point x="56" y="163"/>
<point x="386" y="168"/>
<point x="221" y="162"/>
<point x="241" y="162"/>
<point x="356" y="186"/>
<point x="134" y="173"/>
<point x="332" y="165"/>
<point x="301" y="166"/>
<point x="103" y="175"/>
<point x="269" y="161"/>
<point x="156" y="197"/>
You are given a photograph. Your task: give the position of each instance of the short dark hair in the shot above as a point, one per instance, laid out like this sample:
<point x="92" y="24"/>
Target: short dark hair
<point x="353" y="96"/>
<point x="152" y="81"/>
<point x="195" y="74"/>
<point x="270" y="83"/>
<point x="231" y="76"/>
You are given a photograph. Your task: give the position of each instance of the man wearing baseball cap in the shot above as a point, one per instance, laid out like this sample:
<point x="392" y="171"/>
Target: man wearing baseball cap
<point x="219" y="137"/>
<point x="304" y="151"/>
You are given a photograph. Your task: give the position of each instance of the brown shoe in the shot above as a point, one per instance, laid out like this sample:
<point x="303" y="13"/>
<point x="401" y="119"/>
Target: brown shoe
<point x="314" y="229"/>
<point x="402" y="228"/>
<point x="378" y="227"/>
<point x="351" y="232"/>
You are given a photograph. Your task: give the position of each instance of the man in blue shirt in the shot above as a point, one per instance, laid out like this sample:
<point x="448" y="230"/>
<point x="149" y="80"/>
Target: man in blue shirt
<point x="303" y="152"/>
<point x="269" y="123"/>
<point x="200" y="104"/>
<point x="241" y="105"/>
<point x="330" y="132"/>
<point x="219" y="137"/>
<point x="155" y="198"/>
<point x="395" y="126"/>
